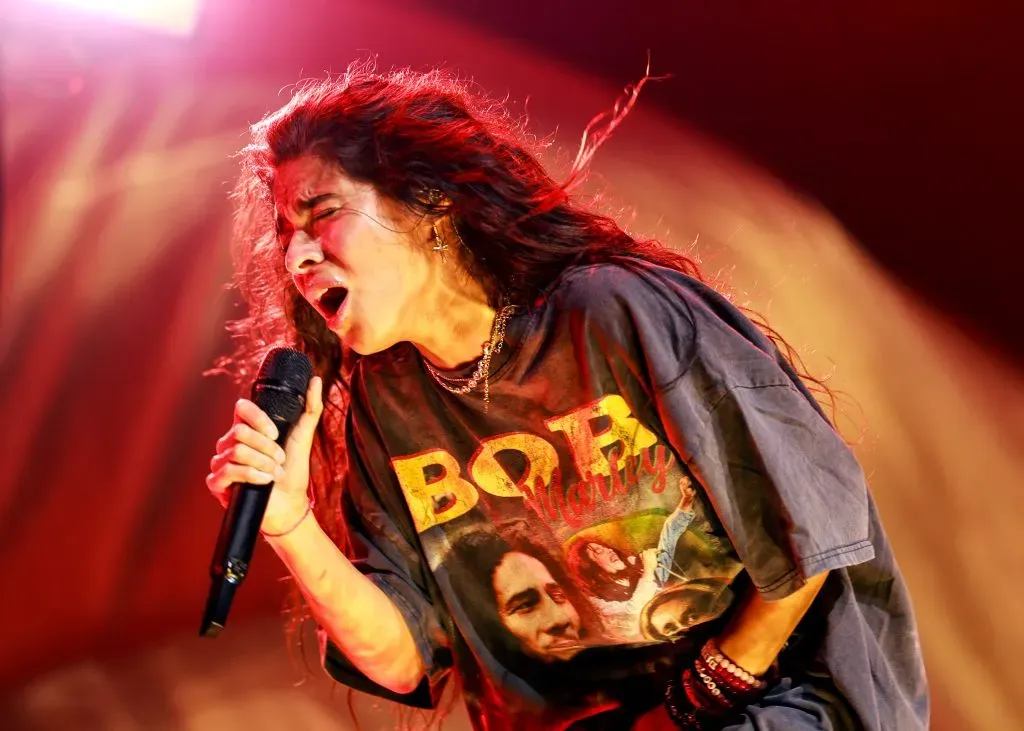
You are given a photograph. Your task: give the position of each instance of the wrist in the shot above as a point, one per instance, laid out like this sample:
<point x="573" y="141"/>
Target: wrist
<point x="713" y="676"/>
<point x="284" y="522"/>
<point x="709" y="687"/>
<point x="756" y="660"/>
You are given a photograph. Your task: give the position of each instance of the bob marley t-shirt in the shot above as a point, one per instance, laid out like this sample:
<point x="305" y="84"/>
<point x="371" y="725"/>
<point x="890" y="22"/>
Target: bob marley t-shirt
<point x="646" y="456"/>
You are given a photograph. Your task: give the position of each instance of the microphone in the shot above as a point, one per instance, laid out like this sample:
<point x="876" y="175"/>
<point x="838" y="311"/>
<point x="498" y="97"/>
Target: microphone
<point x="280" y="391"/>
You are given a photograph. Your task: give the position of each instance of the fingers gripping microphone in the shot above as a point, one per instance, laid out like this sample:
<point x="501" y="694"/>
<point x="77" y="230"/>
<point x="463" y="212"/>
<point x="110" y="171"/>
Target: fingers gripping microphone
<point x="280" y="391"/>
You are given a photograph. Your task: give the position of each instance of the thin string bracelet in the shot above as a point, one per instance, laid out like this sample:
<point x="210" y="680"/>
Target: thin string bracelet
<point x="309" y="509"/>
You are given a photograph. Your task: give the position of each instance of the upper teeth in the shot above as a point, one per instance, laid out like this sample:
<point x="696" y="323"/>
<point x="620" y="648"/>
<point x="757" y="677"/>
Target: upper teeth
<point x="321" y="292"/>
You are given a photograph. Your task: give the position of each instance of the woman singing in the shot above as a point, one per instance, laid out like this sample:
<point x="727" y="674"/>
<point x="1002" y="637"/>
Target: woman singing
<point x="489" y="352"/>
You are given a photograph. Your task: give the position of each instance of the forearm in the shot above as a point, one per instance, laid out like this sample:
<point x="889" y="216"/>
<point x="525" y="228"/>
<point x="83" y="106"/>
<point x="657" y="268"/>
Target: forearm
<point x="358" y="617"/>
<point x="760" y="629"/>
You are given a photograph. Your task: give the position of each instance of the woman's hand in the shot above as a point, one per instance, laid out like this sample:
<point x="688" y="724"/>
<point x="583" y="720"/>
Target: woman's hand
<point x="248" y="453"/>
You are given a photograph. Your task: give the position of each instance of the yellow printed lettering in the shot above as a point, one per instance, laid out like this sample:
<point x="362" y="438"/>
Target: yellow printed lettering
<point x="587" y="446"/>
<point x="440" y="499"/>
<point x="490" y="476"/>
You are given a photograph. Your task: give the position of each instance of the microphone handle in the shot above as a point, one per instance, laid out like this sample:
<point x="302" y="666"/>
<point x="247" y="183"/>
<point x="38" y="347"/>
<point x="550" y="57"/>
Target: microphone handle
<point x="239" y="531"/>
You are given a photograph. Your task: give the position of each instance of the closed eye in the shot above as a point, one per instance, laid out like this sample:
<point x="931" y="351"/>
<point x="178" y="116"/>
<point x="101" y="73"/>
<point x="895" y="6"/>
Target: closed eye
<point x="320" y="215"/>
<point x="284" y="230"/>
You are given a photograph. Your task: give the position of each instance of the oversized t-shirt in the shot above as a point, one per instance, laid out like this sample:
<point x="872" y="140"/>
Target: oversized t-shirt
<point x="646" y="458"/>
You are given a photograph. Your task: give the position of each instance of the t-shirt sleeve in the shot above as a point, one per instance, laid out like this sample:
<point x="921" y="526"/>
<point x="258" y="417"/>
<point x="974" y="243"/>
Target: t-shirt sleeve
<point x="385" y="550"/>
<point x="785" y="487"/>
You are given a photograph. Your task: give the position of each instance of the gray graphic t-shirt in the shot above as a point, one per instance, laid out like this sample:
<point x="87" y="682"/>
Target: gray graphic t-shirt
<point x="646" y="457"/>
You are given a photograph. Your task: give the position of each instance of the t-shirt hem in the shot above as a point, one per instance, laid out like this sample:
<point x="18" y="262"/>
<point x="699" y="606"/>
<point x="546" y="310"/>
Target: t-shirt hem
<point x="428" y="693"/>
<point x="342" y="671"/>
<point x="434" y="672"/>
<point x="834" y="558"/>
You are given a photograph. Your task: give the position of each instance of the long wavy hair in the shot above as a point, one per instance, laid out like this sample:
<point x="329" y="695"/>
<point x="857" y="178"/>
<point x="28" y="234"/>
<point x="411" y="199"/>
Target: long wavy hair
<point x="597" y="580"/>
<point x="410" y="135"/>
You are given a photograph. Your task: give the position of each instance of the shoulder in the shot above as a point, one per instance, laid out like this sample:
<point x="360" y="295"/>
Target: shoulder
<point x="630" y="312"/>
<point x="655" y="296"/>
<point x="625" y="285"/>
<point x="626" y="296"/>
<point x="673" y="319"/>
<point x="624" y="280"/>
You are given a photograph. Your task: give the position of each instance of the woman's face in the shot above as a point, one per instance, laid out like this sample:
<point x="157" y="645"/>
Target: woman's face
<point x="361" y="261"/>
<point x="535" y="609"/>
<point x="606" y="558"/>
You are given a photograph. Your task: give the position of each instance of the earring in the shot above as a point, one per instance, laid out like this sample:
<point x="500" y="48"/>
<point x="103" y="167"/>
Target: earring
<point x="439" y="246"/>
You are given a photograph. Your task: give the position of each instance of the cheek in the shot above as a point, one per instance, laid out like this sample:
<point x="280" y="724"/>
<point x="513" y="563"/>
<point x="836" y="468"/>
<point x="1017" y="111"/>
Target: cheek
<point x="376" y="312"/>
<point x="386" y="288"/>
<point x="519" y="626"/>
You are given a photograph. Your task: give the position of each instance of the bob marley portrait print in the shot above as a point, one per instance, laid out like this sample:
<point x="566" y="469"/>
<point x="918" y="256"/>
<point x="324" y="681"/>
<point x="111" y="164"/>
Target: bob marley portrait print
<point x="591" y="534"/>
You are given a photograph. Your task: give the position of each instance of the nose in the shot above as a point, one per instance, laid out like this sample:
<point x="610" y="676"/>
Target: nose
<point x="556" y="619"/>
<point x="559" y="628"/>
<point x="302" y="254"/>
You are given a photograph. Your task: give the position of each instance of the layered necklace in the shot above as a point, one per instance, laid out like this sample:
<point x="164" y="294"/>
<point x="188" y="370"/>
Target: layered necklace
<point x="483" y="369"/>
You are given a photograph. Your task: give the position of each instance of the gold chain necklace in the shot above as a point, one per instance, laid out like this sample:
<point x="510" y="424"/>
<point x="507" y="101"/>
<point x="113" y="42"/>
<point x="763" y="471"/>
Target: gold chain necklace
<point x="483" y="370"/>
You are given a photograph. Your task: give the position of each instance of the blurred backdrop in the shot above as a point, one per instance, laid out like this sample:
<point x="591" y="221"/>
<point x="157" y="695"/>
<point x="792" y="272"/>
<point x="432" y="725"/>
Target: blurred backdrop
<point x="852" y="170"/>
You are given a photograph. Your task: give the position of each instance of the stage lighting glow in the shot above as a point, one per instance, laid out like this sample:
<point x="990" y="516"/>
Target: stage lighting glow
<point x="170" y="16"/>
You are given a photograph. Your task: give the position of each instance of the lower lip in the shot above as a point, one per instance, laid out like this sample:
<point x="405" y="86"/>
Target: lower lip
<point x="567" y="645"/>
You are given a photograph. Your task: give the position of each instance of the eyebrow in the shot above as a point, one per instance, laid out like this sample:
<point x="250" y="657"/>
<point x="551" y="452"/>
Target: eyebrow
<point x="305" y="204"/>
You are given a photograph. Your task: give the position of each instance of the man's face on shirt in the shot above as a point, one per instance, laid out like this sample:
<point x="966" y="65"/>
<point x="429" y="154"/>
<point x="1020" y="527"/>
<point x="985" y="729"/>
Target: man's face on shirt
<point x="683" y="606"/>
<point x="606" y="558"/>
<point x="672" y="618"/>
<point x="535" y="609"/>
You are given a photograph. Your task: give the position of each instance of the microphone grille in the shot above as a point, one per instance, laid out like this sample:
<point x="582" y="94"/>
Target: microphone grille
<point x="287" y="368"/>
<point x="280" y="388"/>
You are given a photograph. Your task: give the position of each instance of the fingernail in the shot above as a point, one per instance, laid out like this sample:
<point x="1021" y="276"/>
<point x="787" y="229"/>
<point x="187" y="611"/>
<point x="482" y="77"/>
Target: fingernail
<point x="279" y="473"/>
<point x="280" y="456"/>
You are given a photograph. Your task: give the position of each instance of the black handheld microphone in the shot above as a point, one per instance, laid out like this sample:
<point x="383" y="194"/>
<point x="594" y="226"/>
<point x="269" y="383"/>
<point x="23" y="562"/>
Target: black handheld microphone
<point x="280" y="391"/>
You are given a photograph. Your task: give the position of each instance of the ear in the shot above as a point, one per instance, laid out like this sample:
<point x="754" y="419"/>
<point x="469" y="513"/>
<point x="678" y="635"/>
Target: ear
<point x="436" y="216"/>
<point x="436" y="202"/>
<point x="446" y="231"/>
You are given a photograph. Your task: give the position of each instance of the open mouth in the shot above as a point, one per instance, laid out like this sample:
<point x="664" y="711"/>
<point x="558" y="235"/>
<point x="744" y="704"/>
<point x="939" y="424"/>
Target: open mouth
<point x="332" y="300"/>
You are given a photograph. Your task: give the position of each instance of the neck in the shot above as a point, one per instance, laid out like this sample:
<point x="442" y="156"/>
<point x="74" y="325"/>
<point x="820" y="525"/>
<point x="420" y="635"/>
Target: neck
<point x="455" y="322"/>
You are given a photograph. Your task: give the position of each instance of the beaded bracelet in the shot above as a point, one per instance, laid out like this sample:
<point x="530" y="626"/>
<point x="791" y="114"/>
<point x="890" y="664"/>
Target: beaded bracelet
<point x="720" y="693"/>
<point x="728" y="673"/>
<point x="708" y="688"/>
<point x="680" y="709"/>
<point x="309" y="509"/>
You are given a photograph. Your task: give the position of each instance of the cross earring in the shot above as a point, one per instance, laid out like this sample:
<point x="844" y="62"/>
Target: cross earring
<point x="439" y="246"/>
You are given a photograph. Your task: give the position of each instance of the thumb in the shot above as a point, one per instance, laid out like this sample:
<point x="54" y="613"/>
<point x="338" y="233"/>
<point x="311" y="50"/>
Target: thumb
<point x="300" y="440"/>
